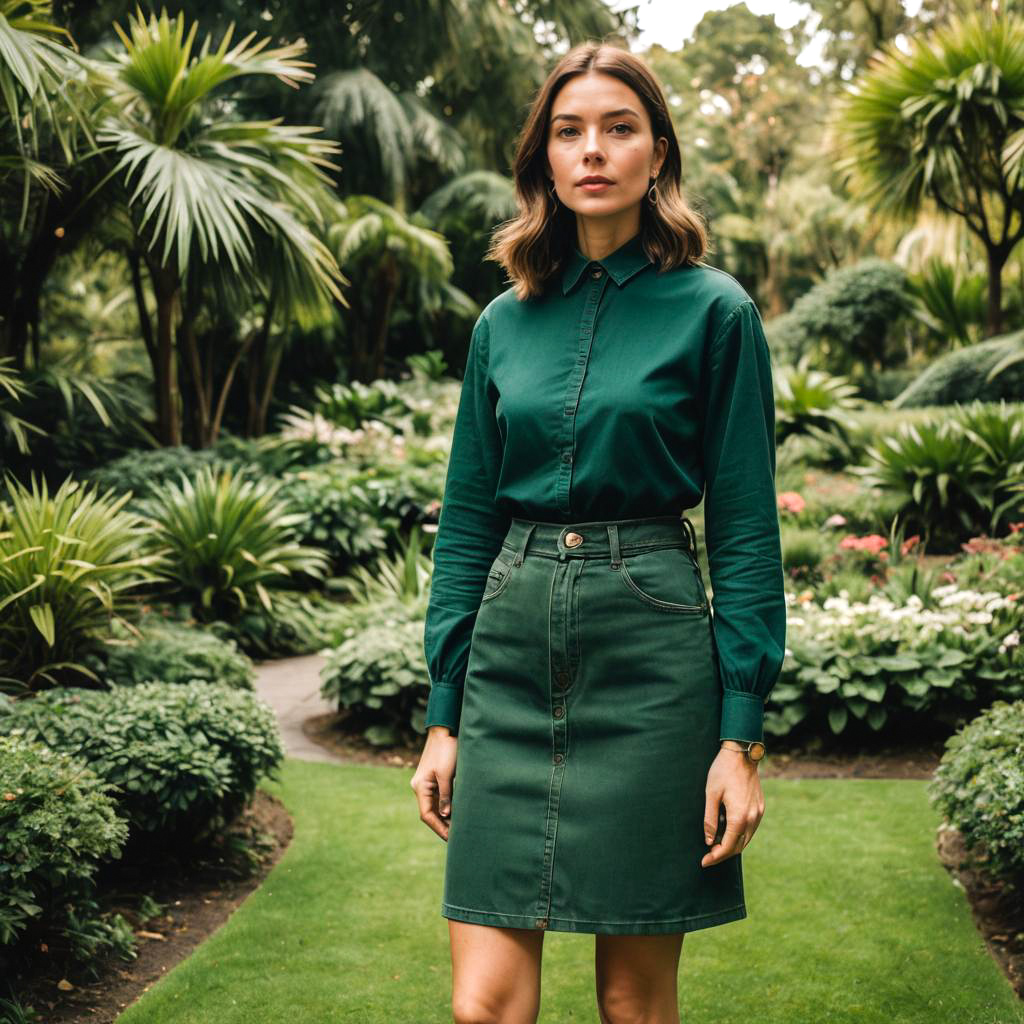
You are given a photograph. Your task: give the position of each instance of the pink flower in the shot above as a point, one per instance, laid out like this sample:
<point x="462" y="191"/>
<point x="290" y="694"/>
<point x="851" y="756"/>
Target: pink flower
<point x="836" y="519"/>
<point x="872" y="542"/>
<point x="909" y="543"/>
<point x="790" y="501"/>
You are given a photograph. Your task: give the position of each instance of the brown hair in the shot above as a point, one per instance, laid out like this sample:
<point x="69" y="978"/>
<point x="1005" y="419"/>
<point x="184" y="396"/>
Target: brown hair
<point x="534" y="244"/>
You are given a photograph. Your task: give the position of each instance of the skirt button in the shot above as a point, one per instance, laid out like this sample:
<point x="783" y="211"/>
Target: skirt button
<point x="542" y="922"/>
<point x="559" y="758"/>
<point x="559" y="711"/>
<point x="573" y="540"/>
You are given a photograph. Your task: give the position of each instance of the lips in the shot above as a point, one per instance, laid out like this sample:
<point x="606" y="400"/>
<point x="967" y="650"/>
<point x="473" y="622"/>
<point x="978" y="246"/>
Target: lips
<point x="595" y="180"/>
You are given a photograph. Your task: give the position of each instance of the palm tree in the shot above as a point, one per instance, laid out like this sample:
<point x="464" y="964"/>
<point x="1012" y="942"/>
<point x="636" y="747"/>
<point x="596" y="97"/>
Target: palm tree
<point x="389" y="251"/>
<point x="43" y="123"/>
<point x="946" y="122"/>
<point x="216" y="205"/>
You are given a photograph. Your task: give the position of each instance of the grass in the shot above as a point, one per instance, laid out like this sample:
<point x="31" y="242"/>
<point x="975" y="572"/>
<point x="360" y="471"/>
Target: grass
<point x="852" y="918"/>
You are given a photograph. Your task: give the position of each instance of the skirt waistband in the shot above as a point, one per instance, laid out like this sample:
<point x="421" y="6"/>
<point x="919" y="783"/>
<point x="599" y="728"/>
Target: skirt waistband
<point x="599" y="538"/>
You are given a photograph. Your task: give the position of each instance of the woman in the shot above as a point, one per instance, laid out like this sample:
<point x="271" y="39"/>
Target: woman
<point x="606" y="725"/>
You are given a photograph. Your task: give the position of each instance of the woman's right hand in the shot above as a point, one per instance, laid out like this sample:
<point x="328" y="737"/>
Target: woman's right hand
<point x="432" y="782"/>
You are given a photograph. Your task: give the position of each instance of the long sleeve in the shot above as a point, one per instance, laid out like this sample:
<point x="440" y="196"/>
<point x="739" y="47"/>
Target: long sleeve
<point x="741" y="522"/>
<point x="470" y="530"/>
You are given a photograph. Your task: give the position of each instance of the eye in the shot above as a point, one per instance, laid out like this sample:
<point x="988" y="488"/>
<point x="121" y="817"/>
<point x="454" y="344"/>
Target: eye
<point x="622" y="124"/>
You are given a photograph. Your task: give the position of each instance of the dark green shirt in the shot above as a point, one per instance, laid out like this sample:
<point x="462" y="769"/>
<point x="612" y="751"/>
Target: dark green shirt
<point x="676" y="402"/>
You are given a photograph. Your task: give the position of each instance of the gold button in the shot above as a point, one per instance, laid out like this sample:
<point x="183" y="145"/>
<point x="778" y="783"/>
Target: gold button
<point x="559" y="711"/>
<point x="573" y="540"/>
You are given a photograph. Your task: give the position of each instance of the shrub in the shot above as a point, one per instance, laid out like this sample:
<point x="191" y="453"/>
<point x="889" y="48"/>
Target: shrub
<point x="142" y="472"/>
<point x="979" y="786"/>
<point x="917" y="664"/>
<point x="846" y="322"/>
<point x="186" y="758"/>
<point x="172" y="652"/>
<point x="58" y="823"/>
<point x="808" y="401"/>
<point x="961" y="376"/>
<point x="957" y="476"/>
<point x="226" y="542"/>
<point x="67" y="561"/>
<point x="376" y="672"/>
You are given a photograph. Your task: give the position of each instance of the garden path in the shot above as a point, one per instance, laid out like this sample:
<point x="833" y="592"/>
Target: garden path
<point x="291" y="686"/>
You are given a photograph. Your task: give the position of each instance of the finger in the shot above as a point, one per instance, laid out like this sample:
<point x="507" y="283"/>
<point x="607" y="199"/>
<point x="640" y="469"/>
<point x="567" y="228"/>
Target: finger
<point x="426" y="796"/>
<point x="729" y="846"/>
<point x="711" y="803"/>
<point x="444" y="797"/>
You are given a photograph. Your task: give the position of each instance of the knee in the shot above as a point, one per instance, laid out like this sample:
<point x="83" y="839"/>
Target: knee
<point x="618" y="1006"/>
<point x="474" y="1009"/>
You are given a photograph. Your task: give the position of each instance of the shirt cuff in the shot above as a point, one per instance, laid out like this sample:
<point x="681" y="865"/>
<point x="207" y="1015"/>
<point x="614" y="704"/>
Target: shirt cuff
<point x="444" y="707"/>
<point x="742" y="717"/>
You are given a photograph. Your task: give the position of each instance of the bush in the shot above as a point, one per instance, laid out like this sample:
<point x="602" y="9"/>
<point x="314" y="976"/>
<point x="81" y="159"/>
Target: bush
<point x="186" y="757"/>
<point x="172" y="652"/>
<point x="958" y="476"/>
<point x="979" y="786"/>
<point x="845" y="323"/>
<point x="58" y="823"/>
<point x="960" y="376"/>
<point x="143" y="472"/>
<point x="918" y="664"/>
<point x="226" y="542"/>
<point x="66" y="563"/>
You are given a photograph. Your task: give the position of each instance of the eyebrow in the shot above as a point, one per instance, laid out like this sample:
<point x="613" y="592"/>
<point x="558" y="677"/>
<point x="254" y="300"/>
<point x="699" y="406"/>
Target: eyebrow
<point x="608" y="113"/>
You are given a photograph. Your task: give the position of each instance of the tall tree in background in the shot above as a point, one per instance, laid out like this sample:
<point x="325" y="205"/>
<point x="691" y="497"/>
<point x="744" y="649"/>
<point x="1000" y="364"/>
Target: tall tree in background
<point x="945" y="123"/>
<point x="213" y="202"/>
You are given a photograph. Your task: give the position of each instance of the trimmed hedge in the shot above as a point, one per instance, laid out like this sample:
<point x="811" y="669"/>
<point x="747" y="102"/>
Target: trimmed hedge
<point x="186" y="757"/>
<point x="58" y="823"/>
<point x="979" y="786"/>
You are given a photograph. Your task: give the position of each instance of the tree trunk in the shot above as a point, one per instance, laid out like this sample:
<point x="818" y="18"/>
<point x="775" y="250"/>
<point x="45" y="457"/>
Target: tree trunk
<point x="387" y="285"/>
<point x="166" y="288"/>
<point x="997" y="256"/>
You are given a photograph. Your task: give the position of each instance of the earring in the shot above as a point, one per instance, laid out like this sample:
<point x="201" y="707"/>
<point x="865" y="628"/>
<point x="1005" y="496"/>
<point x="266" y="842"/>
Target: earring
<point x="653" y="199"/>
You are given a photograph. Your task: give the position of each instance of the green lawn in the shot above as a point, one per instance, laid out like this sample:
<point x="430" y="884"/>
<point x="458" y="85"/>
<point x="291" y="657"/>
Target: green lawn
<point x="852" y="918"/>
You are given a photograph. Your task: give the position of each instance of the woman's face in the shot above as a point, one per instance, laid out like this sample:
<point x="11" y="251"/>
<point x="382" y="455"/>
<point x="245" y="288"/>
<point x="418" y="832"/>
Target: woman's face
<point x="598" y="126"/>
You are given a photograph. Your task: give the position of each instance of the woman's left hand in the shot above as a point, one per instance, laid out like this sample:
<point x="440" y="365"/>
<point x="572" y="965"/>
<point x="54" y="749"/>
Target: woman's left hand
<point x="732" y="781"/>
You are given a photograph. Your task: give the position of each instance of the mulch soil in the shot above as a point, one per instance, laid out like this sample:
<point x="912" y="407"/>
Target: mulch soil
<point x="199" y="900"/>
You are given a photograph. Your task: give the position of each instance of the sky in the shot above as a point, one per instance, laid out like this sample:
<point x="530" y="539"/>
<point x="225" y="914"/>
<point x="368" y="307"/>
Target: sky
<point x="671" y="22"/>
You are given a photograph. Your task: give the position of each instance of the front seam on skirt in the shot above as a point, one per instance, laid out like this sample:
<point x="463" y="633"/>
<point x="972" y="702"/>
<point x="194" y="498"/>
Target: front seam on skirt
<point x="570" y="924"/>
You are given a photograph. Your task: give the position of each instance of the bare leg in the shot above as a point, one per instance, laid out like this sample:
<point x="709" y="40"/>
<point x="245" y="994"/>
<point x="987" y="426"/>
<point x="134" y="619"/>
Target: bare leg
<point x="495" y="974"/>
<point x="637" y="978"/>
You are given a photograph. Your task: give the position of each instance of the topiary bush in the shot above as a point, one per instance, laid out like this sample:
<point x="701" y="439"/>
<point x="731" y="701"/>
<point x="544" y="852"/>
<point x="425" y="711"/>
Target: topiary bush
<point x="960" y="376"/>
<point x="58" y="824"/>
<point x="979" y="786"/>
<point x="186" y="758"/>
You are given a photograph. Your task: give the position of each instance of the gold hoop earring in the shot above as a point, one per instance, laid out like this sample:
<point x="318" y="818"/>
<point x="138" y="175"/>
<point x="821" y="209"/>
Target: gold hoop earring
<point x="653" y="199"/>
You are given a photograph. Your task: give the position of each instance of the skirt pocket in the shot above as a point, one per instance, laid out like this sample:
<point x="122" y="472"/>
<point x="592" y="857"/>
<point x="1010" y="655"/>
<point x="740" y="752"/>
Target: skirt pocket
<point x="667" y="579"/>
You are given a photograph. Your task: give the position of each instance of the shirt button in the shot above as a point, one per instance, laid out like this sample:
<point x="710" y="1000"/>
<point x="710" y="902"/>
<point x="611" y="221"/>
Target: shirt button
<point x="595" y="274"/>
<point x="559" y="758"/>
<point x="567" y="456"/>
<point x="559" y="711"/>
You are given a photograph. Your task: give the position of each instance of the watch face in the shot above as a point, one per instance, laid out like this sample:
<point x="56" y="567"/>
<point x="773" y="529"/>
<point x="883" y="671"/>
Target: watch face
<point x="756" y="751"/>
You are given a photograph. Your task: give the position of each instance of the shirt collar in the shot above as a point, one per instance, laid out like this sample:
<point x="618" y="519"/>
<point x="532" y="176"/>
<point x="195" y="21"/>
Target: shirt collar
<point x="629" y="259"/>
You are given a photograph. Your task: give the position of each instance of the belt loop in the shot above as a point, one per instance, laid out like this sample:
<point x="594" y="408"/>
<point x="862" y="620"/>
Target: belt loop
<point x="691" y="533"/>
<point x="613" y="541"/>
<point x="521" y="553"/>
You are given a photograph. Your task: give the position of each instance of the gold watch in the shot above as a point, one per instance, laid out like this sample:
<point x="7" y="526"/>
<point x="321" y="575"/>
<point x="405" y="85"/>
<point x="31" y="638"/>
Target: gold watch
<point x="753" y="750"/>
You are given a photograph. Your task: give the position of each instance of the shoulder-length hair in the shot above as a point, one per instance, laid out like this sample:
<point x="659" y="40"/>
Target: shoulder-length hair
<point x="535" y="243"/>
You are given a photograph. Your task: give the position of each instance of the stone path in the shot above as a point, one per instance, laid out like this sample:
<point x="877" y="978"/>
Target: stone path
<point x="291" y="686"/>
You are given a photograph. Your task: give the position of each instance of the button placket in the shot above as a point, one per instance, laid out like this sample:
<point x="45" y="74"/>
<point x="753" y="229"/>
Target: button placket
<point x="574" y="386"/>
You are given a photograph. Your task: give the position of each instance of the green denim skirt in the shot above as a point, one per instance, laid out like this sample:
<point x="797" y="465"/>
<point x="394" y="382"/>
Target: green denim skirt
<point x="590" y="718"/>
